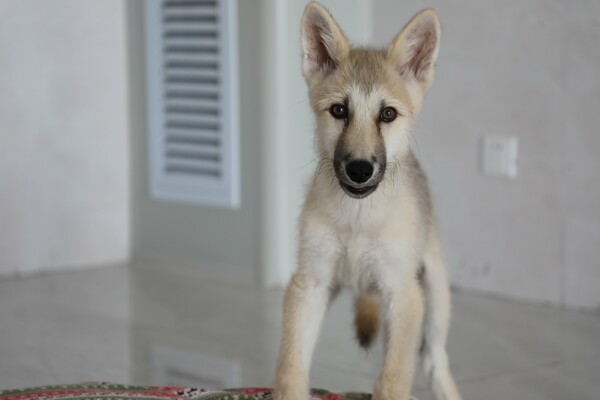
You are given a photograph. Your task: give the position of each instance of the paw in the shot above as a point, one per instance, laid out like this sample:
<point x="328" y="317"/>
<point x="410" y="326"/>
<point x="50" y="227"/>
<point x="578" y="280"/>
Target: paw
<point x="388" y="388"/>
<point x="427" y="364"/>
<point x="291" y="387"/>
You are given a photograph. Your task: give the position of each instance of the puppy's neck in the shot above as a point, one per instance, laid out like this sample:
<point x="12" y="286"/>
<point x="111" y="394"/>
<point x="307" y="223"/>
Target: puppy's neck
<point x="346" y="213"/>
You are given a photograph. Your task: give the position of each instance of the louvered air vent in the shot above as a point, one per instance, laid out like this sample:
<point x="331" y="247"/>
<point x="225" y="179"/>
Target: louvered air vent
<point x="192" y="100"/>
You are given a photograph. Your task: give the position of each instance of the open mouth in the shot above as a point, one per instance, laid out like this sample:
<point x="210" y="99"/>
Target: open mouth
<point x="358" y="193"/>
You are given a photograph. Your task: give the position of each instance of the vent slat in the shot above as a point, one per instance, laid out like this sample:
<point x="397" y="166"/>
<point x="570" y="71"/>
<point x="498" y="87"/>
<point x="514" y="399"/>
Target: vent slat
<point x="178" y="170"/>
<point x="174" y="103"/>
<point x="206" y="60"/>
<point x="186" y="65"/>
<point x="208" y="50"/>
<point x="190" y="94"/>
<point x="189" y="3"/>
<point x="204" y="119"/>
<point x="208" y="19"/>
<point x="192" y="155"/>
<point x="190" y="33"/>
<point x="187" y="136"/>
<point x="192" y="110"/>
<point x="192" y="80"/>
<point x="212" y="12"/>
<point x="192" y="73"/>
<point x="209" y="150"/>
<point x="196" y="167"/>
<point x="200" y="90"/>
<point x="191" y="124"/>
<point x="192" y="77"/>
<point x="193" y="151"/>
<point x="184" y="26"/>
<point x="191" y="41"/>
<point x="191" y="58"/>
<point x="211" y="90"/>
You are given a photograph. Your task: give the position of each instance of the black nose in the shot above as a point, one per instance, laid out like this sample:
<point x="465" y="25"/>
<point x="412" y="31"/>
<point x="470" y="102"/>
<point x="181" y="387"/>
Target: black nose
<point x="359" y="171"/>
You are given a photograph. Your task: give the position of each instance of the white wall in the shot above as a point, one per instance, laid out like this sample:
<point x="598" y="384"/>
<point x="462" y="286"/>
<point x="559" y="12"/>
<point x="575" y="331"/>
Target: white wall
<point x="63" y="135"/>
<point x="528" y="68"/>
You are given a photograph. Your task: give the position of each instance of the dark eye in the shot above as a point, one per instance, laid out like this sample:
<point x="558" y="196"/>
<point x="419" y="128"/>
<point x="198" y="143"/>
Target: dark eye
<point x="387" y="115"/>
<point x="338" y="111"/>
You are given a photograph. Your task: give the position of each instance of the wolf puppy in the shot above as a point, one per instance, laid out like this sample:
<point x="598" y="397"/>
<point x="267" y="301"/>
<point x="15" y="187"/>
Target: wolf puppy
<point x="367" y="222"/>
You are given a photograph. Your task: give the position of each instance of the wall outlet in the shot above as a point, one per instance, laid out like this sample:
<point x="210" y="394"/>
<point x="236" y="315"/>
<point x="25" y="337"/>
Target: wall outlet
<point x="500" y="156"/>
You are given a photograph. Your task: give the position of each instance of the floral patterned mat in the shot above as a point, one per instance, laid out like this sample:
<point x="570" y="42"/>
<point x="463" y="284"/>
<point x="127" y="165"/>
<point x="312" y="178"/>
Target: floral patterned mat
<point x="109" y="391"/>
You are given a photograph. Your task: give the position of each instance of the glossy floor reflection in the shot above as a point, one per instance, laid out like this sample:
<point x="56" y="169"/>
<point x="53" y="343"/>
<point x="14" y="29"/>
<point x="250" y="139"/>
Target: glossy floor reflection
<point x="64" y="328"/>
<point x="106" y="324"/>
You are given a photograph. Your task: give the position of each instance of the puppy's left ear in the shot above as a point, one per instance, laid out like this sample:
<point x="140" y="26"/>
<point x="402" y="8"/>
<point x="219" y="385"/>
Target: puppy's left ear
<point x="324" y="45"/>
<point x="414" y="51"/>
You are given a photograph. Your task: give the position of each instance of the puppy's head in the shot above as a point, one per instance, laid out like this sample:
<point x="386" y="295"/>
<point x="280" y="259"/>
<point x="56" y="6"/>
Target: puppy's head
<point x="366" y="100"/>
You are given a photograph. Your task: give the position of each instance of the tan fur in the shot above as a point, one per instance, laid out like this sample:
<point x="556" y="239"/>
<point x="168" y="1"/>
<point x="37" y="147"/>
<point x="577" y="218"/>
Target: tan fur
<point x="366" y="320"/>
<point x="376" y="237"/>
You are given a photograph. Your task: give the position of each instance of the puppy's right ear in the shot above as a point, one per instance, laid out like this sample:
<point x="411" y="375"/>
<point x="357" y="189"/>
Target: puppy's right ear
<point x="324" y="45"/>
<point x="414" y="51"/>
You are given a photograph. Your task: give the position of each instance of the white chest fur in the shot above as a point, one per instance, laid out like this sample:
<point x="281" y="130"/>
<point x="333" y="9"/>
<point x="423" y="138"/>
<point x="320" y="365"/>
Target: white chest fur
<point x="359" y="264"/>
<point x="367" y="246"/>
<point x="372" y="242"/>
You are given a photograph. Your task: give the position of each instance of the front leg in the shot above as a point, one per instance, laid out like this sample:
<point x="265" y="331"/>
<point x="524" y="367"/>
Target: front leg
<point x="304" y="305"/>
<point x="403" y="314"/>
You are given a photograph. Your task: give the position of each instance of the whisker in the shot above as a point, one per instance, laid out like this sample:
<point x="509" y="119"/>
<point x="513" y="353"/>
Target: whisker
<point x="412" y="136"/>
<point x="307" y="164"/>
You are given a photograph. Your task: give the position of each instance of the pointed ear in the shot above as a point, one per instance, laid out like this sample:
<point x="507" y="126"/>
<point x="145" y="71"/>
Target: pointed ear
<point x="324" y="45"/>
<point x="414" y="51"/>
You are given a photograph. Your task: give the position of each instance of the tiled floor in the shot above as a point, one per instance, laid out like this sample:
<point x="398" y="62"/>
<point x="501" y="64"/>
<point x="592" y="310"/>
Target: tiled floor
<point x="68" y="327"/>
<point x="104" y="324"/>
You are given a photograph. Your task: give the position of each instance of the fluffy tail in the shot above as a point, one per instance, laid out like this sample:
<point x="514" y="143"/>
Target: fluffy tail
<point x="366" y="319"/>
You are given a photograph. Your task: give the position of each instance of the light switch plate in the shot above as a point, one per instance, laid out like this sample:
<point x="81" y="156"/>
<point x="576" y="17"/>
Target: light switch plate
<point x="500" y="156"/>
